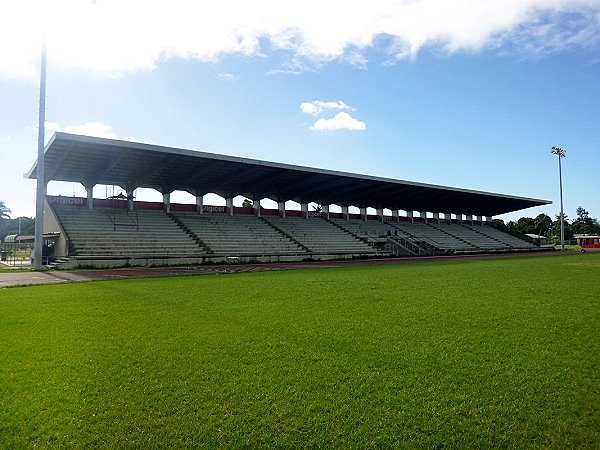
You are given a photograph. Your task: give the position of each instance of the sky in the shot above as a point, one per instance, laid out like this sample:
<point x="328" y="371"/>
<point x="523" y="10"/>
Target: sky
<point x="465" y="93"/>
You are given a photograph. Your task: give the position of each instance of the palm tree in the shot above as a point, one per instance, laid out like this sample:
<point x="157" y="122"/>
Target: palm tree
<point x="543" y="223"/>
<point x="4" y="211"/>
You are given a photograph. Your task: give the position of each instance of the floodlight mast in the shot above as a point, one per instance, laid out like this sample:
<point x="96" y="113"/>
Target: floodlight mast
<point x="40" y="176"/>
<point x="561" y="154"/>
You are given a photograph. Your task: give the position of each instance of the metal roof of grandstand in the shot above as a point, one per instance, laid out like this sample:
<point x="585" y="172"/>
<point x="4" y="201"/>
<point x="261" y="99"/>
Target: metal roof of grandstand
<point x="90" y="161"/>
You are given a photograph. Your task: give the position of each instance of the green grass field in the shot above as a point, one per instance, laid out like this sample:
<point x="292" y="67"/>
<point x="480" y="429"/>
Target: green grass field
<point x="478" y="354"/>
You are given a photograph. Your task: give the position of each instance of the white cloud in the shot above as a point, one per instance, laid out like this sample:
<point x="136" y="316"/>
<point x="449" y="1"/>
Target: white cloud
<point x="319" y="106"/>
<point x="116" y="36"/>
<point x="341" y="121"/>
<point x="95" y="129"/>
<point x="227" y="77"/>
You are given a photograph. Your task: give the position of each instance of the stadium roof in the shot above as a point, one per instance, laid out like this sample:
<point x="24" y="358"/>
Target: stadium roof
<point x="131" y="165"/>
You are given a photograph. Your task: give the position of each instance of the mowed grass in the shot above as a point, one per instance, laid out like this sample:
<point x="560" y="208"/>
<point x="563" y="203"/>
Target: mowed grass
<point x="479" y="354"/>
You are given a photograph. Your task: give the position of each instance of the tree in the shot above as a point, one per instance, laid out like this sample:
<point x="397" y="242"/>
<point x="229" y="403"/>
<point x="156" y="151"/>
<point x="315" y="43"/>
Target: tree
<point x="542" y="223"/>
<point x="247" y="203"/>
<point x="318" y="208"/>
<point x="595" y="226"/>
<point x="583" y="215"/>
<point x="26" y="225"/>
<point x="584" y="224"/>
<point x="555" y="229"/>
<point x="526" y="225"/>
<point x="4" y="211"/>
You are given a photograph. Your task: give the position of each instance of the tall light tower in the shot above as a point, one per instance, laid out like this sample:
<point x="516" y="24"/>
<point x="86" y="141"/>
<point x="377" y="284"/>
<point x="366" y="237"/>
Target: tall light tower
<point x="40" y="194"/>
<point x="561" y="154"/>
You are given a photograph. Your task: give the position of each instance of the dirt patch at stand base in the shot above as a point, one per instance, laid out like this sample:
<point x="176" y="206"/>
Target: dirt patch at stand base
<point x="60" y="276"/>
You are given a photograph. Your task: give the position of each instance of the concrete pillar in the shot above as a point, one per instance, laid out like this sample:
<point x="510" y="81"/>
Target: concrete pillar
<point x="489" y="219"/>
<point x="363" y="213"/>
<point x="459" y="218"/>
<point x="304" y="209"/>
<point x="380" y="214"/>
<point x="396" y="215"/>
<point x="469" y="219"/>
<point x="281" y="208"/>
<point x="130" y="199"/>
<point x="325" y="211"/>
<point x="256" y="206"/>
<point x="436" y="217"/>
<point x="480" y="219"/>
<point x="229" y="205"/>
<point x="345" y="215"/>
<point x="167" y="202"/>
<point x="423" y="216"/>
<point x="448" y="217"/>
<point x="90" y="197"/>
<point x="410" y="215"/>
<point x="200" y="204"/>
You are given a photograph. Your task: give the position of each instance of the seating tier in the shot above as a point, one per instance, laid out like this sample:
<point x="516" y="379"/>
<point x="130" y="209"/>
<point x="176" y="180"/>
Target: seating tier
<point x="239" y="235"/>
<point x="321" y="236"/>
<point x="121" y="233"/>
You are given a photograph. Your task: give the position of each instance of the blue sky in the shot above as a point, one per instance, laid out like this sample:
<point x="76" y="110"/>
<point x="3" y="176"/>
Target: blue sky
<point x="467" y="93"/>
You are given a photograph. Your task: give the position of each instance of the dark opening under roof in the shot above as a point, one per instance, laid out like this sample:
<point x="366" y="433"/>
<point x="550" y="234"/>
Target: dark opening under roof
<point x="90" y="161"/>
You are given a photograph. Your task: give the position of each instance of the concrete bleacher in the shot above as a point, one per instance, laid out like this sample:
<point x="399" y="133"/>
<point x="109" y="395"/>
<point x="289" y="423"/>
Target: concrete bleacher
<point x="320" y="236"/>
<point x="154" y="234"/>
<point x="434" y="236"/>
<point x="238" y="235"/>
<point x="119" y="233"/>
<point x="513" y="242"/>
<point x="473" y="237"/>
<point x="369" y="231"/>
<point x="462" y="238"/>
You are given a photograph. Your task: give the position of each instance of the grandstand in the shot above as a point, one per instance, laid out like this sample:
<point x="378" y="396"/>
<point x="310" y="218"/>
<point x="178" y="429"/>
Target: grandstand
<point x="412" y="219"/>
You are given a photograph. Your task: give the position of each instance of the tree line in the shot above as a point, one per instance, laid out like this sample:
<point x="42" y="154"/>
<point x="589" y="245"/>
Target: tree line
<point x="543" y="225"/>
<point x="9" y="226"/>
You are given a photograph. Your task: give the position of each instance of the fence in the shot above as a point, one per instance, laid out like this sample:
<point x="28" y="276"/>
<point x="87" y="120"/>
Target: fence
<point x="16" y="254"/>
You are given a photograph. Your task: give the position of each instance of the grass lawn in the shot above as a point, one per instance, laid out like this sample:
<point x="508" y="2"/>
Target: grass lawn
<point x="478" y="353"/>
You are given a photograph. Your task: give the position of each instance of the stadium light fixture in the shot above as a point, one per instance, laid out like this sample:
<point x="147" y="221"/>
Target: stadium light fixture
<point x="561" y="154"/>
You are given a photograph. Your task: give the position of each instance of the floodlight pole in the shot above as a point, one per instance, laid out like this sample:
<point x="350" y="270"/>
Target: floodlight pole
<point x="561" y="154"/>
<point x="40" y="176"/>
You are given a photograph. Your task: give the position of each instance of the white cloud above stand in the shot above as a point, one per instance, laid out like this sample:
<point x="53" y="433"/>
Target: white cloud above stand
<point x="341" y="121"/>
<point x="119" y="36"/>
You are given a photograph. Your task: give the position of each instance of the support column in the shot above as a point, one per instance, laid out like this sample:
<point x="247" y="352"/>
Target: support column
<point x="489" y="220"/>
<point x="469" y="219"/>
<point x="200" y="204"/>
<point x="480" y="219"/>
<point x="459" y="218"/>
<point x="436" y="217"/>
<point x="410" y="215"/>
<point x="345" y="215"/>
<point x="363" y="213"/>
<point x="90" y="197"/>
<point x="380" y="214"/>
<point x="256" y="206"/>
<point x="448" y="217"/>
<point x="396" y="215"/>
<point x="304" y="209"/>
<point x="281" y="208"/>
<point x="423" y="216"/>
<point x="229" y="205"/>
<point x="167" y="202"/>
<point x="130" y="199"/>
<point x="325" y="209"/>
